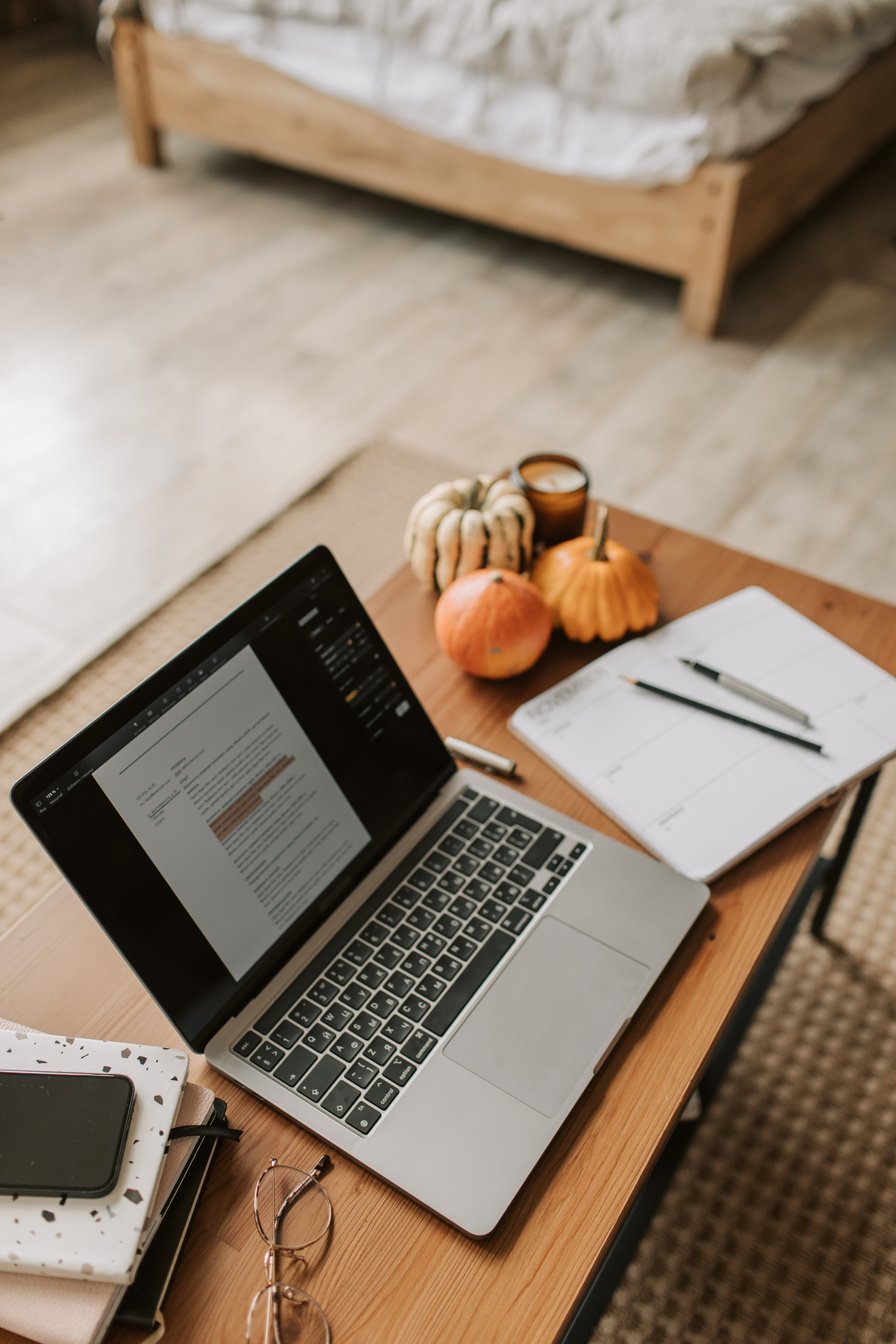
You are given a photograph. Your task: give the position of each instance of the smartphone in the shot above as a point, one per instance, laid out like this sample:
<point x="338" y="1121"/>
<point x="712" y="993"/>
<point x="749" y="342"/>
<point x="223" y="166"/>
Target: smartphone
<point x="63" y="1133"/>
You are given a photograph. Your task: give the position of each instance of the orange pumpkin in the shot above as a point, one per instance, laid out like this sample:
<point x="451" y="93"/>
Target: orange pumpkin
<point x="493" y="623"/>
<point x="595" y="588"/>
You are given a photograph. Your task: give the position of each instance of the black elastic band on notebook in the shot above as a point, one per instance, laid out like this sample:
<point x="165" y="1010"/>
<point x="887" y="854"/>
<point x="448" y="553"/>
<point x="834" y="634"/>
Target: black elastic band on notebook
<point x="202" y="1131"/>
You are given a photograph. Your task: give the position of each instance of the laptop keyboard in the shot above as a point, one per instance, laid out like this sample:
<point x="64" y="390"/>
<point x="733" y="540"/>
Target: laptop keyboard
<point x="351" y="1031"/>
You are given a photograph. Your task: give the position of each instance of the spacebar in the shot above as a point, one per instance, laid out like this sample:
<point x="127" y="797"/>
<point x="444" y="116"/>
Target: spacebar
<point x="460" y="991"/>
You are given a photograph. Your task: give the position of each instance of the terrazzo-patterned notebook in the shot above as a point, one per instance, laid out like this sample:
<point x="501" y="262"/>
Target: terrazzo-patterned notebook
<point x="82" y="1238"/>
<point x="78" y="1311"/>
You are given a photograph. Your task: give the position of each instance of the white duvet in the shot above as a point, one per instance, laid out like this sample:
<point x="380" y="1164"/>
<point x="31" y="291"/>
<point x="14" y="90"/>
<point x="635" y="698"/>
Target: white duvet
<point x="625" y="90"/>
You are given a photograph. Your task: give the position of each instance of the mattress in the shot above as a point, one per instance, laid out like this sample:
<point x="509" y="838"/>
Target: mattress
<point x="626" y="91"/>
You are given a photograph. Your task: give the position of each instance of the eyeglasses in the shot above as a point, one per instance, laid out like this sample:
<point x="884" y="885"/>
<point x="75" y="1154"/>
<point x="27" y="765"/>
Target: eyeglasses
<point x="292" y="1213"/>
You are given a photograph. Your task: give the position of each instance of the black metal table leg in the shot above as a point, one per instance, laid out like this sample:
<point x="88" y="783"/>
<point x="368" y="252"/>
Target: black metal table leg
<point x="832" y="868"/>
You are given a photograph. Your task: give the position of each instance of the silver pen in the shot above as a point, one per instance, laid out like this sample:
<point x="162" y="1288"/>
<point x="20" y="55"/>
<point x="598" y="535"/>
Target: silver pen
<point x="486" y="760"/>
<point x="750" y="692"/>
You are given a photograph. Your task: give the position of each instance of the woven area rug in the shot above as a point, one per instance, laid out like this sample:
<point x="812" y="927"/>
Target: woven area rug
<point x="61" y="609"/>
<point x="780" y="1225"/>
<point x="359" y="511"/>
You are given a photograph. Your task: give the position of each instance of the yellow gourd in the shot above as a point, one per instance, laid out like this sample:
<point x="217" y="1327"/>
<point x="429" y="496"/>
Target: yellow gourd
<point x="595" y="588"/>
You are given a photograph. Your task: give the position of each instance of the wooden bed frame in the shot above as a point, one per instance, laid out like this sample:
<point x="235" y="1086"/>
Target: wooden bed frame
<point x="703" y="231"/>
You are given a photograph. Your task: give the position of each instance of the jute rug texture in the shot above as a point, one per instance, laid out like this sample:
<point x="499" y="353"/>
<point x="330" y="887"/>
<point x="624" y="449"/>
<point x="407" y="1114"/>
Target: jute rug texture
<point x="191" y="509"/>
<point x="359" y="512"/>
<point x="780" y="1225"/>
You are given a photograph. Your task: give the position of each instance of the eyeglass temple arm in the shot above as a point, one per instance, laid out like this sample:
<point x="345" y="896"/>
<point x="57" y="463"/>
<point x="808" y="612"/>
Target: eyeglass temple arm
<point x="322" y="1166"/>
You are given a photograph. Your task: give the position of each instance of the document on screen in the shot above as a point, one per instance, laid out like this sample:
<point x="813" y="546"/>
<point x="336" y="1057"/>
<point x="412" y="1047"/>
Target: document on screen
<point x="236" y="808"/>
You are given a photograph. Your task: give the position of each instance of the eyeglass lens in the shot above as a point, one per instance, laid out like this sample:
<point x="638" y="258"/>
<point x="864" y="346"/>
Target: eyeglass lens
<point x="291" y="1209"/>
<point x="283" y="1314"/>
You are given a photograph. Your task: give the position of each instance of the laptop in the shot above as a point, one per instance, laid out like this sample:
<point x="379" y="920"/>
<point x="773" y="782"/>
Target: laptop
<point x="419" y="964"/>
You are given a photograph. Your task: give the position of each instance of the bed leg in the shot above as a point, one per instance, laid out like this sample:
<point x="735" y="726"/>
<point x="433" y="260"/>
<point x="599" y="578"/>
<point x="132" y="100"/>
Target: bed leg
<point x="707" y="284"/>
<point x="703" y="298"/>
<point x="133" y="92"/>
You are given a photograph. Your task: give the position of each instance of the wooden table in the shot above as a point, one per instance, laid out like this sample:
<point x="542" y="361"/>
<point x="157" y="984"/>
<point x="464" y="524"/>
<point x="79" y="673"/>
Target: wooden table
<point x="394" y="1274"/>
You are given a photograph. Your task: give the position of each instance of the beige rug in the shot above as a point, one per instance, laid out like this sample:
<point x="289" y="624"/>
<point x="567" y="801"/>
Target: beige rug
<point x="780" y="1226"/>
<point x="359" y="511"/>
<point x="81" y="577"/>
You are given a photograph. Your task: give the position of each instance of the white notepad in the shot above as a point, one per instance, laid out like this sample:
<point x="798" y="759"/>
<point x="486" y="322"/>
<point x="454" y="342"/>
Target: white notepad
<point x="696" y="790"/>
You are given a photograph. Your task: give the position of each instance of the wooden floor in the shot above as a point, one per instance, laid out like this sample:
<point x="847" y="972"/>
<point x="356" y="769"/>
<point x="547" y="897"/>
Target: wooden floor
<point x="201" y="332"/>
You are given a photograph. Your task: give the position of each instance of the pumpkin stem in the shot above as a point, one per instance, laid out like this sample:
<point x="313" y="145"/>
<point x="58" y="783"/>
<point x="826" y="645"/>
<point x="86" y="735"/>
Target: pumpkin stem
<point x="601" y="526"/>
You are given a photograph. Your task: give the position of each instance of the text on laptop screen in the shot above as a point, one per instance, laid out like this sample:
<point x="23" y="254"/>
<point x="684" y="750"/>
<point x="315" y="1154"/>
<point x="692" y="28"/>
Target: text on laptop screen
<point x="223" y="809"/>
<point x="236" y="808"/>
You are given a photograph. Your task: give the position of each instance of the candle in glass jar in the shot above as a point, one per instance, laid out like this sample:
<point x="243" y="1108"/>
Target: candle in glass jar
<point x="557" y="488"/>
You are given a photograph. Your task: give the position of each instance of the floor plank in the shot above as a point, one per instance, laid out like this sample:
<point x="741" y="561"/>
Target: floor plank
<point x="165" y="329"/>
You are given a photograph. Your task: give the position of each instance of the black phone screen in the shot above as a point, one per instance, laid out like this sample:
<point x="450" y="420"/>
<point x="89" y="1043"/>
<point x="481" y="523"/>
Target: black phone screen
<point x="63" y="1133"/>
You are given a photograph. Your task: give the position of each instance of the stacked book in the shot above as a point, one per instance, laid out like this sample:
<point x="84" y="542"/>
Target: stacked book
<point x="71" y="1267"/>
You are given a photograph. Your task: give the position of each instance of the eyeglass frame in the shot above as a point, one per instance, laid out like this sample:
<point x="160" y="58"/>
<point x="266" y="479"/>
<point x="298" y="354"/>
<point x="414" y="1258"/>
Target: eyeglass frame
<point x="274" y="1248"/>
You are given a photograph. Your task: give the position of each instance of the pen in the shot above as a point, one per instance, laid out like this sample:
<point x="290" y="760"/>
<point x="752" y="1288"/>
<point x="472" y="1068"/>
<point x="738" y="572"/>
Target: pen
<point x="723" y="714"/>
<point x="486" y="760"/>
<point x="751" y="692"/>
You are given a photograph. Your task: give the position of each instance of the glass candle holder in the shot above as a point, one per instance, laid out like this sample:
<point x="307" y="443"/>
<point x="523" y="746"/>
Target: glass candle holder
<point x="557" y="488"/>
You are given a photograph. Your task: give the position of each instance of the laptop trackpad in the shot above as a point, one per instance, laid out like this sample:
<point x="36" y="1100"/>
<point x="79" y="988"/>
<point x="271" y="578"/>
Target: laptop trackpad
<point x="550" y="1016"/>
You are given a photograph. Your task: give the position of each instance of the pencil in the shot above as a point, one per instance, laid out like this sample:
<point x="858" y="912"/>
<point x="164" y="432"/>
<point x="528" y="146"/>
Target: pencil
<point x="724" y="714"/>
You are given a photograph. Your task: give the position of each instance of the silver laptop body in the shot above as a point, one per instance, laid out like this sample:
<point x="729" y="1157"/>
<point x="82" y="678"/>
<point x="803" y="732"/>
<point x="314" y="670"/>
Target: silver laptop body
<point x="479" y="1111"/>
<point x="420" y="965"/>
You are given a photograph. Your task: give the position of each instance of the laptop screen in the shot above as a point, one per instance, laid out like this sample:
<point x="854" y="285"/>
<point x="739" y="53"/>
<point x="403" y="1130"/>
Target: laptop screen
<point x="215" y="816"/>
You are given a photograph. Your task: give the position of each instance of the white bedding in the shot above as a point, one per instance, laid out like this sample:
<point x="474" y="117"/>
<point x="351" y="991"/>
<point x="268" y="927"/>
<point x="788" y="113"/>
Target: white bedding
<point x="637" y="91"/>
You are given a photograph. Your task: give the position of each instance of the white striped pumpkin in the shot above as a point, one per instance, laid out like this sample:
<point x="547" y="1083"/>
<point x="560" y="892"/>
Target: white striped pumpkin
<point x="468" y="524"/>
